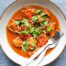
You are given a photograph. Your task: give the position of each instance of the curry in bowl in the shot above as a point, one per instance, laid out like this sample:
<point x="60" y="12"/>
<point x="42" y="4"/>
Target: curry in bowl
<point x="30" y="28"/>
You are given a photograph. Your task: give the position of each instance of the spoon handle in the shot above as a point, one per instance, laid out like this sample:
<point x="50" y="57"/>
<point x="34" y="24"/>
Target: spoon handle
<point x="41" y="56"/>
<point x="35" y="55"/>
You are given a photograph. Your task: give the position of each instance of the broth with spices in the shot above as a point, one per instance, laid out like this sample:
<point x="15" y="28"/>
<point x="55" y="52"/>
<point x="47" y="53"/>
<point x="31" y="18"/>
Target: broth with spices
<point x="30" y="28"/>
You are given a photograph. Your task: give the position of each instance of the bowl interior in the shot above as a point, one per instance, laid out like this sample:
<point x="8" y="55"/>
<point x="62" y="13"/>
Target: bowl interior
<point x="11" y="10"/>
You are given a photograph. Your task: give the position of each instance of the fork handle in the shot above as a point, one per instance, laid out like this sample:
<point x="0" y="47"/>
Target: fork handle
<point x="41" y="56"/>
<point x="38" y="60"/>
<point x="36" y="54"/>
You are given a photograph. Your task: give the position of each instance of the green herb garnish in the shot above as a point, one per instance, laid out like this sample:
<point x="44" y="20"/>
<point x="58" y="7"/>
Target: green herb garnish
<point x="41" y="24"/>
<point x="25" y="46"/>
<point x="49" y="28"/>
<point x="24" y="22"/>
<point x="24" y="32"/>
<point x="25" y="43"/>
<point x="31" y="30"/>
<point x="43" y="15"/>
<point x="17" y="22"/>
<point x="32" y="48"/>
<point x="37" y="31"/>
<point x="46" y="22"/>
<point x="35" y="35"/>
<point x="38" y="11"/>
<point x="34" y="19"/>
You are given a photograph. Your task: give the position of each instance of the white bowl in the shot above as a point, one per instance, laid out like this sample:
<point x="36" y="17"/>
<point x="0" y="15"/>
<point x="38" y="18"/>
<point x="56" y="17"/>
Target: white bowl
<point x="7" y="15"/>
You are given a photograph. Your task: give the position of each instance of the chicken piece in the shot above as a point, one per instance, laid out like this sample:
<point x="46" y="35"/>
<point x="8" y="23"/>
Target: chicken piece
<point x="13" y="27"/>
<point x="47" y="12"/>
<point x="18" y="42"/>
<point x="28" y="12"/>
<point x="42" y="40"/>
<point x="30" y="53"/>
<point x="40" y="19"/>
<point x="26" y="36"/>
<point x="32" y="41"/>
<point x="52" y="25"/>
<point x="52" y="33"/>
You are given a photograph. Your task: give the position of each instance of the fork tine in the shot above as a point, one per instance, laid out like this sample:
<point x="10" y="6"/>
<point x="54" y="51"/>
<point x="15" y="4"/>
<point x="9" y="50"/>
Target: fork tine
<point x="57" y="36"/>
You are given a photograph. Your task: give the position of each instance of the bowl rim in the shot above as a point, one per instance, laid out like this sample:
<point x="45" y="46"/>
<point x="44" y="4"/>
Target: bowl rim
<point x="51" y="3"/>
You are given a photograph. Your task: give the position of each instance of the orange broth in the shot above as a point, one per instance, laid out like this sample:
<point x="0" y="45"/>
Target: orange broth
<point x="11" y="35"/>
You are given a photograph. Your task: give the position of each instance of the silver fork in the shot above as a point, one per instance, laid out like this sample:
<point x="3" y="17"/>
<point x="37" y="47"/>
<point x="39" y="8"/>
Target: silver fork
<point x="41" y="52"/>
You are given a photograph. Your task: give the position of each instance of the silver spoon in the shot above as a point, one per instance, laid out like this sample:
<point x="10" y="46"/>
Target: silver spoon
<point x="51" y="44"/>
